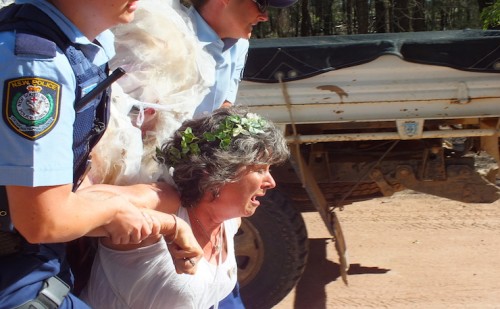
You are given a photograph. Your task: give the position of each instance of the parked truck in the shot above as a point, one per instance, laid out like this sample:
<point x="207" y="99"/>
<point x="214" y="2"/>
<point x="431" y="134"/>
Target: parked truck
<point x="365" y="116"/>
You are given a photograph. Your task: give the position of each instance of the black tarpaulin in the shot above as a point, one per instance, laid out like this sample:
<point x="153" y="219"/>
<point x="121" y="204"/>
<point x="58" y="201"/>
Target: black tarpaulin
<point x="288" y="59"/>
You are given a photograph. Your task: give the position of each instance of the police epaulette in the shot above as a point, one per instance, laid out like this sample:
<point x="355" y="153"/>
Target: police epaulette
<point x="29" y="44"/>
<point x="32" y="27"/>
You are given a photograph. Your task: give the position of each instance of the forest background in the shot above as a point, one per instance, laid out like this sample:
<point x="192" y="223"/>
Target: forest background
<point x="342" y="17"/>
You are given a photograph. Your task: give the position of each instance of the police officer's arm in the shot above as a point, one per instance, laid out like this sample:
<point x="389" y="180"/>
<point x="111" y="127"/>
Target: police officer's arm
<point x="163" y="201"/>
<point x="56" y="214"/>
<point x="237" y="75"/>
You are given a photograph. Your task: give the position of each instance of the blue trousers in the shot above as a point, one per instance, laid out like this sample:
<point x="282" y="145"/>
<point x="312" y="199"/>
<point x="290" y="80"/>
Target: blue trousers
<point x="233" y="300"/>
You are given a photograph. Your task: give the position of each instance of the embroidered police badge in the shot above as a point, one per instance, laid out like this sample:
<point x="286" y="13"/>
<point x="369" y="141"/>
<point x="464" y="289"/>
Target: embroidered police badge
<point x="31" y="106"/>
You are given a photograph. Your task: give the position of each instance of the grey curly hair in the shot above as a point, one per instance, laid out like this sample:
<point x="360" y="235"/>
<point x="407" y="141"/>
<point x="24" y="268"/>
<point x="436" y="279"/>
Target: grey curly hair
<point x="214" y="165"/>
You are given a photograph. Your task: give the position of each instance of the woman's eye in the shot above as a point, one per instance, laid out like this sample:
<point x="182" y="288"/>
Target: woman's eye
<point x="261" y="169"/>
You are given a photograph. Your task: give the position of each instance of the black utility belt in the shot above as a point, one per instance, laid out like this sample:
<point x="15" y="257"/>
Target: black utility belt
<point x="10" y="243"/>
<point x="13" y="243"/>
<point x="53" y="291"/>
<point x="51" y="295"/>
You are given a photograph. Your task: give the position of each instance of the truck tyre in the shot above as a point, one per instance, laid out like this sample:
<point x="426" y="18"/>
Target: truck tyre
<point x="271" y="251"/>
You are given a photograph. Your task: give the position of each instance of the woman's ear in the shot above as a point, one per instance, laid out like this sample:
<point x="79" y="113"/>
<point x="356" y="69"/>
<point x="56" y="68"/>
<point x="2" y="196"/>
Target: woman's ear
<point x="225" y="2"/>
<point x="215" y="193"/>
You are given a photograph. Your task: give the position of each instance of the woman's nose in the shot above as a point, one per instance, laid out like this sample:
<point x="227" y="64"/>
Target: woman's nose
<point x="269" y="182"/>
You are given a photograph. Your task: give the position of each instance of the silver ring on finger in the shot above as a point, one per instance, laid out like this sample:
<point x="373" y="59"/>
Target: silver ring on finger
<point x="191" y="261"/>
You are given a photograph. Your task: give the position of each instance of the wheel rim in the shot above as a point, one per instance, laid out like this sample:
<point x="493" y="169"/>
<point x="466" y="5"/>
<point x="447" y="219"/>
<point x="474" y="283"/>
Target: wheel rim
<point x="249" y="249"/>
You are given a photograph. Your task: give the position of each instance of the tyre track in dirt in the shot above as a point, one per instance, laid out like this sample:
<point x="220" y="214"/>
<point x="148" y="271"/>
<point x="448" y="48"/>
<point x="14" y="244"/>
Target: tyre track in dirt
<point x="405" y="251"/>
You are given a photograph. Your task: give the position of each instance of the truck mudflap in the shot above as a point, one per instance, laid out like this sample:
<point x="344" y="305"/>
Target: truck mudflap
<point x="341" y="247"/>
<point x="327" y="213"/>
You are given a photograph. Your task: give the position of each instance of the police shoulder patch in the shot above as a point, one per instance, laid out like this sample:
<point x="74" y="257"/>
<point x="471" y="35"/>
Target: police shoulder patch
<point x="31" y="106"/>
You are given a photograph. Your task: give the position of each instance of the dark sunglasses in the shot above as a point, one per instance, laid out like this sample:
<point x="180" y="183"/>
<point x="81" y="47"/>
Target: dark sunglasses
<point x="262" y="5"/>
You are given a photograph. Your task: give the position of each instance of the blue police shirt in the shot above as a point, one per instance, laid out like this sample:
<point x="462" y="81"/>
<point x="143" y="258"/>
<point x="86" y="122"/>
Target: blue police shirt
<point x="36" y="141"/>
<point x="36" y="136"/>
<point x="230" y="57"/>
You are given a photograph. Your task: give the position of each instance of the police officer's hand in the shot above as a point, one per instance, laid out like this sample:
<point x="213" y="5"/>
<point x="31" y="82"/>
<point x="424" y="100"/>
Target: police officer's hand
<point x="130" y="225"/>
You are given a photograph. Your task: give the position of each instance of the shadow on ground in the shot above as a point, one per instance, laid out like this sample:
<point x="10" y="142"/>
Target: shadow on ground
<point x="310" y="290"/>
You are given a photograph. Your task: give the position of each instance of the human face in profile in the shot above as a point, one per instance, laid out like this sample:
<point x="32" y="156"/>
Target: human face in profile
<point x="239" y="199"/>
<point x="121" y="11"/>
<point x="244" y="15"/>
<point x="94" y="16"/>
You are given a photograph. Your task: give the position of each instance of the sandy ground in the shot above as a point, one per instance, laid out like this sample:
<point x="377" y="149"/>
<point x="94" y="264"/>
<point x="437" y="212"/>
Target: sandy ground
<point x="405" y="251"/>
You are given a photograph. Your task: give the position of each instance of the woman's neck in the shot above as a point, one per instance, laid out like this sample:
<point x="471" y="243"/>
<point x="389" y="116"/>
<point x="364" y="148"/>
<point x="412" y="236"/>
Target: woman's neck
<point x="208" y="233"/>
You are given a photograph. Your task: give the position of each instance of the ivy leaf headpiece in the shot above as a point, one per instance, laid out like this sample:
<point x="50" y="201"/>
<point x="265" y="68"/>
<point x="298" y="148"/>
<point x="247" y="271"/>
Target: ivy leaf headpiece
<point x="229" y="128"/>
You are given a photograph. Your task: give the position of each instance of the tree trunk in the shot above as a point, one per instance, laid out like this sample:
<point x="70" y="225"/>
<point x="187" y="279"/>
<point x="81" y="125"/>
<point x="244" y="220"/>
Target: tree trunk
<point x="419" y="16"/>
<point x="401" y="20"/>
<point x="380" y="17"/>
<point x="484" y="3"/>
<point x="324" y="12"/>
<point x="306" y="26"/>
<point x="283" y="23"/>
<point x="444" y="19"/>
<point x="362" y="16"/>
<point x="348" y="8"/>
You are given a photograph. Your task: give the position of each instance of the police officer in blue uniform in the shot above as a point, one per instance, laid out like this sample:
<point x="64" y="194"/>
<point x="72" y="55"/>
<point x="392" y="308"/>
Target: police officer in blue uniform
<point x="223" y="29"/>
<point x="53" y="56"/>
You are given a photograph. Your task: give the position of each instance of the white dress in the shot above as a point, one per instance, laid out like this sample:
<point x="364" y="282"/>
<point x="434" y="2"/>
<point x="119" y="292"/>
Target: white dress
<point x="146" y="278"/>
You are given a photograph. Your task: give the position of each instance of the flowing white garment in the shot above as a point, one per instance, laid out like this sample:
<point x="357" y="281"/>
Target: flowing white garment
<point x="145" y="278"/>
<point x="168" y="70"/>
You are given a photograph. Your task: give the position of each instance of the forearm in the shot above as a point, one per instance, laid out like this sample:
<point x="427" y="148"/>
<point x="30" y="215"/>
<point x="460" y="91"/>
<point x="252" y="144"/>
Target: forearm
<point x="54" y="214"/>
<point x="168" y="226"/>
<point x="160" y="196"/>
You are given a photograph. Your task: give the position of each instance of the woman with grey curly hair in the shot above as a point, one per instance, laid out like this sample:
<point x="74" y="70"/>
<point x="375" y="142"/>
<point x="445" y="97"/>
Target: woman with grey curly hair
<point x="221" y="166"/>
<point x="211" y="166"/>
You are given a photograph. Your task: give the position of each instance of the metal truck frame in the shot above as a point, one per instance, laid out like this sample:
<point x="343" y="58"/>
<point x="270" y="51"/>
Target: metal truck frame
<point x="365" y="116"/>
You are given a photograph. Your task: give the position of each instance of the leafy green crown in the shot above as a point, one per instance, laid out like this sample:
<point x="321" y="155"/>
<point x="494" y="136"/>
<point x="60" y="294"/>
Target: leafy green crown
<point x="229" y="128"/>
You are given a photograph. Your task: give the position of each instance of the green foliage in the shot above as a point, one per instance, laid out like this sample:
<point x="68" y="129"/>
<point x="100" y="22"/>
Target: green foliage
<point x="490" y="16"/>
<point x="231" y="127"/>
<point x="339" y="17"/>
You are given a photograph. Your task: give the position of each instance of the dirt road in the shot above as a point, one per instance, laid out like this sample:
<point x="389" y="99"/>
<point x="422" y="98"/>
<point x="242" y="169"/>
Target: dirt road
<point x="405" y="251"/>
